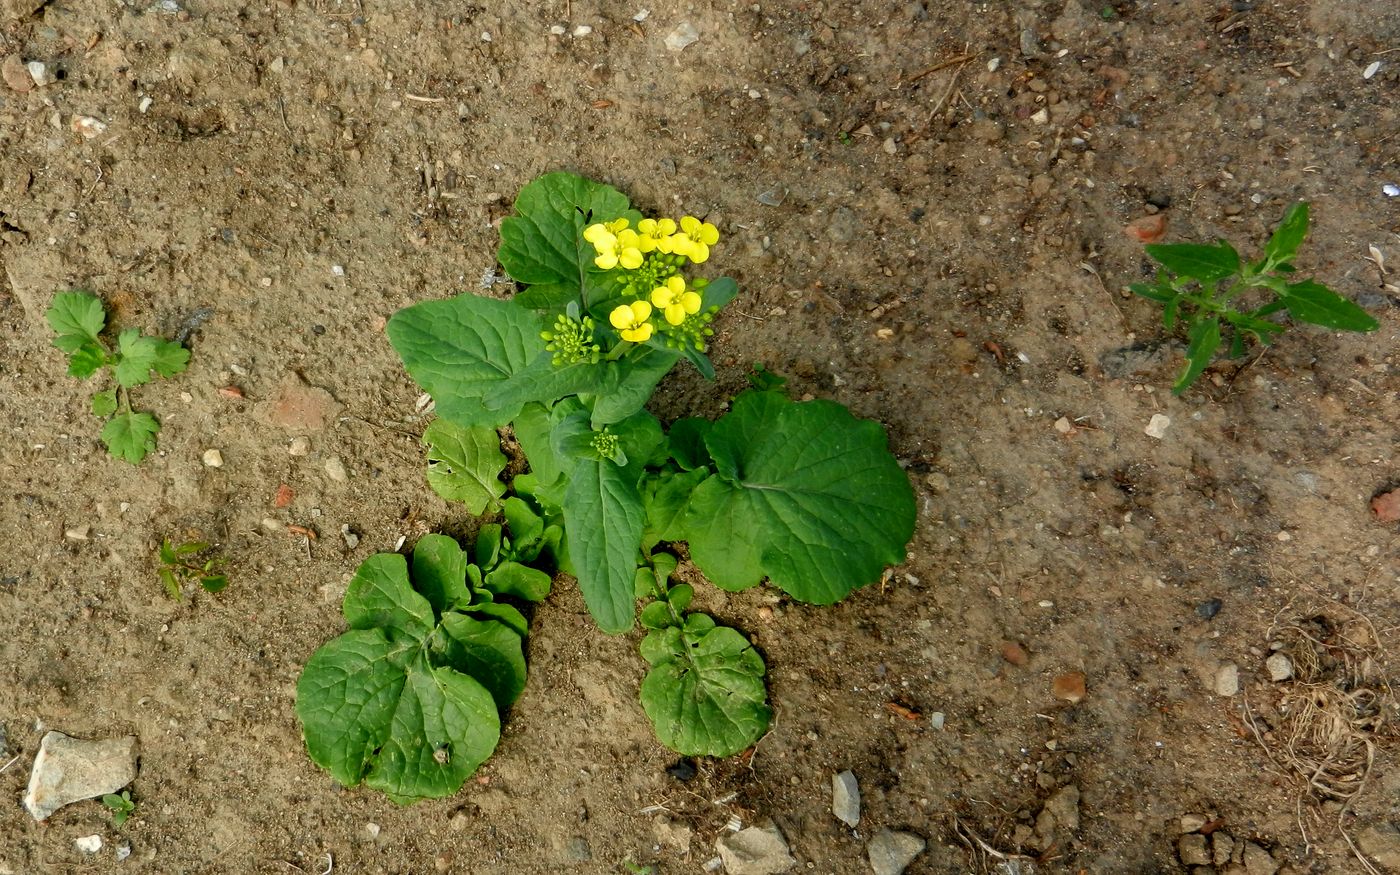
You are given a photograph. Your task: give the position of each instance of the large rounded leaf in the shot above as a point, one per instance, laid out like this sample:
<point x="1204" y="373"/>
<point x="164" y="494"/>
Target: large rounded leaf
<point x="804" y="494"/>
<point x="704" y="694"/>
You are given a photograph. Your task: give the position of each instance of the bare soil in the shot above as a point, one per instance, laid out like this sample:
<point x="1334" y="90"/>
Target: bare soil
<point x="946" y="255"/>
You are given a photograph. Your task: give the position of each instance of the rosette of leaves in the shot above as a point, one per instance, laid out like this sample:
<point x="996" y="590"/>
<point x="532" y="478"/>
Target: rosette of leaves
<point x="704" y="693"/>
<point x="1203" y="287"/>
<point x="409" y="699"/>
<point x="79" y="320"/>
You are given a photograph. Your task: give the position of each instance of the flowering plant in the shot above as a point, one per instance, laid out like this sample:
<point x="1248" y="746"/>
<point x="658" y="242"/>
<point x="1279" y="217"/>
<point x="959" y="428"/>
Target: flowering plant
<point x="804" y="495"/>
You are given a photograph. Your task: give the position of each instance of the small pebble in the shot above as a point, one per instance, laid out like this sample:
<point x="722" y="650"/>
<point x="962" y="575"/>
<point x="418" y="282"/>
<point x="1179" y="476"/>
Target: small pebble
<point x="1372" y="69"/>
<point x="1041" y="117"/>
<point x="1208" y="609"/>
<point x="773" y="197"/>
<point x="39" y="72"/>
<point x="372" y="830"/>
<point x="87" y="126"/>
<point x="1192" y="822"/>
<point x="1227" y="680"/>
<point x="335" y="469"/>
<point x="1063" y="425"/>
<point x="144" y="105"/>
<point x="684" y="34"/>
<point x="352" y="540"/>
<point x="1157" y="426"/>
<point x="1390" y="189"/>
<point x="123" y="852"/>
<point x="582" y="30"/>
<point x="213" y="459"/>
<point x="299" y="447"/>
<point x="16" y="75"/>
<point x="845" y="798"/>
<point x="1069" y="687"/>
<point x="1280" y="667"/>
<point x="78" y="533"/>
<point x="937" y="720"/>
<point x="88" y="844"/>
<point x="1014" y="653"/>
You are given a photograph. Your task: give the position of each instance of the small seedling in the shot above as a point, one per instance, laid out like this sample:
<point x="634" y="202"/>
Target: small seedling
<point x="181" y="564"/>
<point x="1201" y="286"/>
<point x="79" y="319"/>
<point x="120" y="806"/>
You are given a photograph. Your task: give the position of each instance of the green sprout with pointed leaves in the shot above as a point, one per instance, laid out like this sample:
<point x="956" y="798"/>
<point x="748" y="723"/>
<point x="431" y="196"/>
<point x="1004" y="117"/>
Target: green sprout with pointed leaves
<point x="1204" y="286"/>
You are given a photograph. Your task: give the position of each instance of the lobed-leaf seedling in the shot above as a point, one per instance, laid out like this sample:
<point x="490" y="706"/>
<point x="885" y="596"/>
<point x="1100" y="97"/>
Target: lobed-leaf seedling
<point x="181" y="564"/>
<point x="804" y="495"/>
<point x="79" y="319"/>
<point x="1203" y="285"/>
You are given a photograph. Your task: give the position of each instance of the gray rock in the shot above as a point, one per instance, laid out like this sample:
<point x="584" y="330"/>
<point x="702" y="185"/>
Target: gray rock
<point x="1139" y="358"/>
<point x="1280" y="667"/>
<point x="1060" y="815"/>
<point x="1222" y="846"/>
<point x="578" y="850"/>
<point x="845" y="798"/>
<point x="1227" y="679"/>
<point x="1192" y="850"/>
<point x="70" y="769"/>
<point x="890" y="852"/>
<point x="1258" y="861"/>
<point x="758" y="850"/>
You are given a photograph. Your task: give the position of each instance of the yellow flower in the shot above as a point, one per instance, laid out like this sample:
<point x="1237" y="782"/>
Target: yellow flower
<point x="615" y="244"/>
<point x="652" y="233"/>
<point x="695" y="239"/>
<point x="674" y="301"/>
<point x="631" y="321"/>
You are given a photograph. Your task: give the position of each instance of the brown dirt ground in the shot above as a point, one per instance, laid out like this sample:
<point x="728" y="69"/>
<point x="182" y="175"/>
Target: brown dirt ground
<point x="943" y="261"/>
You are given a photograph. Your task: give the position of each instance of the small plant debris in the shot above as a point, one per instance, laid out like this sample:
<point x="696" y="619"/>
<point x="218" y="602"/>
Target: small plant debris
<point x="182" y="564"/>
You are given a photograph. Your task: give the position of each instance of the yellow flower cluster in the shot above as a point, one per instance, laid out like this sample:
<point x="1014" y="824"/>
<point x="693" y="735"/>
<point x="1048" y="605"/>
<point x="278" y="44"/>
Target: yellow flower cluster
<point x="671" y="300"/>
<point x="617" y="243"/>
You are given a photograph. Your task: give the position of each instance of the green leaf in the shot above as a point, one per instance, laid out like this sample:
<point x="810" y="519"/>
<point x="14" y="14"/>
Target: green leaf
<point x="170" y="359"/>
<point x="603" y="517"/>
<point x="1197" y="260"/>
<point x="462" y="349"/>
<point x="105" y="403"/>
<point x="667" y="498"/>
<point x="167" y="552"/>
<point x="687" y="438"/>
<point x="524" y="524"/>
<point x="542" y="245"/>
<point x="532" y="429"/>
<point x="214" y="583"/>
<point x="520" y="581"/>
<point x="136" y="357"/>
<point x="657" y="615"/>
<point x="1153" y="293"/>
<point x="504" y="613"/>
<point x="632" y="382"/>
<point x="440" y="572"/>
<point x="171" y="584"/>
<point x="465" y="463"/>
<point x="543" y="382"/>
<point x="642" y="440"/>
<point x="444" y="725"/>
<point x="1203" y="339"/>
<point x="488" y="546"/>
<point x="85" y="361"/>
<point x="704" y="693"/>
<point x="379" y="596"/>
<point x="805" y="494"/>
<point x="130" y="436"/>
<point x="680" y="596"/>
<point x="346" y="698"/>
<point x="77" y="318"/>
<point x="1288" y="236"/>
<point x="488" y="650"/>
<point x="1314" y="303"/>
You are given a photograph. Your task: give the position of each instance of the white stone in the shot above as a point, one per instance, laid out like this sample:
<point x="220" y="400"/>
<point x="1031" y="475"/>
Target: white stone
<point x="1157" y="426"/>
<point x="335" y="469"/>
<point x="582" y="30"/>
<point x="213" y="459"/>
<point x="1371" y="69"/>
<point x="758" y="850"/>
<point x="890" y="852"/>
<point x="299" y="447"/>
<point x="88" y="844"/>
<point x="1041" y="117"/>
<point x="684" y="34"/>
<point x="1280" y="667"/>
<point x="845" y="798"/>
<point x="1227" y="679"/>
<point x="68" y="770"/>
